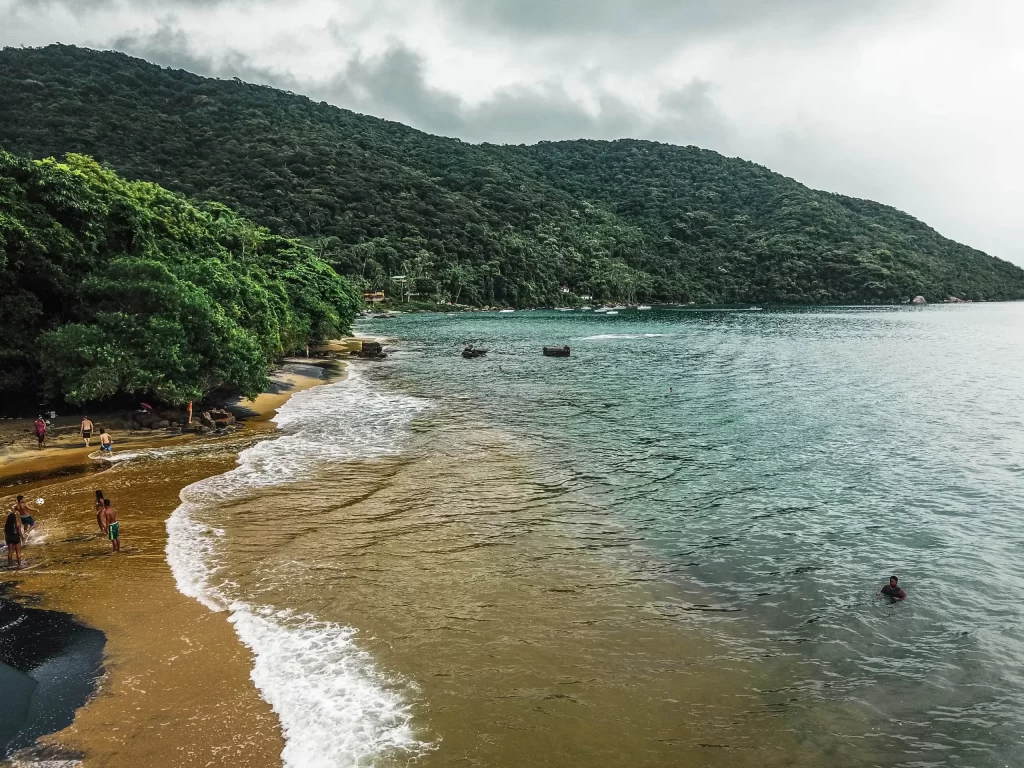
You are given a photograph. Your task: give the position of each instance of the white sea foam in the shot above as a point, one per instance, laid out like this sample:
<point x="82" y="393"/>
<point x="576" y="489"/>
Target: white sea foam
<point x="335" y="708"/>
<point x="607" y="336"/>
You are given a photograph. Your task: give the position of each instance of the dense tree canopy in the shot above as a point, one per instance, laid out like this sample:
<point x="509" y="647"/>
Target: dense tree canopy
<point x="112" y="287"/>
<point x="624" y="220"/>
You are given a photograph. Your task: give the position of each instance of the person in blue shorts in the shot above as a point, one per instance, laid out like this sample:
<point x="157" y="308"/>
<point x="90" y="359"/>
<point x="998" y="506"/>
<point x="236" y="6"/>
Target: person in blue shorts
<point x="27" y="521"/>
<point x="106" y="444"/>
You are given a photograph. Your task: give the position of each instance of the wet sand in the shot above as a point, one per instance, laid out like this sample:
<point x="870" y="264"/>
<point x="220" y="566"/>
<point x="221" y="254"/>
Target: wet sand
<point x="176" y="688"/>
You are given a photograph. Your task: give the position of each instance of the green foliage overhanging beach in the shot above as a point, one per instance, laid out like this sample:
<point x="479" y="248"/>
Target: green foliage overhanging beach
<point x="110" y="287"/>
<point x="484" y="224"/>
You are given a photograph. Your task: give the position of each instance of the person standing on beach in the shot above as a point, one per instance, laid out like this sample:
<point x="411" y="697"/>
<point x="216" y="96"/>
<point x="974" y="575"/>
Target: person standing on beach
<point x="99" y="510"/>
<point x="106" y="444"/>
<point x="12" y="537"/>
<point x="86" y="430"/>
<point x="27" y="521"/>
<point x="111" y="525"/>
<point x="41" y="432"/>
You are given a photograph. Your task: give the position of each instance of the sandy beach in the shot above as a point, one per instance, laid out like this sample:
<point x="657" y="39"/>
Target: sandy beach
<point x="176" y="686"/>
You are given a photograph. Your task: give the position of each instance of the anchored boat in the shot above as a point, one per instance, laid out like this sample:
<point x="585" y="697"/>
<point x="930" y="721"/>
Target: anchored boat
<point x="556" y="351"/>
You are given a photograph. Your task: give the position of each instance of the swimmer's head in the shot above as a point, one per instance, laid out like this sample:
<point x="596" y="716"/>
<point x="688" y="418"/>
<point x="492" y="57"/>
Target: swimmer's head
<point x="99" y="495"/>
<point x="21" y="498"/>
<point x="893" y="581"/>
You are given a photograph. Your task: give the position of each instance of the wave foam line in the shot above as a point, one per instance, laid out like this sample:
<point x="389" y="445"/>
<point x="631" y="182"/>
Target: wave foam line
<point x="335" y="708"/>
<point x="341" y="713"/>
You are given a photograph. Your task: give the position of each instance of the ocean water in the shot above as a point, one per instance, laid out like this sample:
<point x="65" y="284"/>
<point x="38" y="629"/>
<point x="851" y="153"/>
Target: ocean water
<point x="663" y="550"/>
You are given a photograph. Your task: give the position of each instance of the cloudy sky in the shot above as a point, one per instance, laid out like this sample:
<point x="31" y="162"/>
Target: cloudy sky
<point x="915" y="103"/>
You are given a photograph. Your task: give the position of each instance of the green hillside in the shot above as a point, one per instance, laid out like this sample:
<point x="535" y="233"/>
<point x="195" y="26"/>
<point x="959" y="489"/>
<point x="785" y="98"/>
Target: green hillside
<point x="624" y="220"/>
<point x="111" y="288"/>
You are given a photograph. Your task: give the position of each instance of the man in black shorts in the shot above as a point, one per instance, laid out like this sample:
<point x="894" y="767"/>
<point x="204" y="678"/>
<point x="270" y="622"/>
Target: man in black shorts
<point x="86" y="430"/>
<point x="28" y="523"/>
<point x="12" y="537"/>
<point x="892" y="589"/>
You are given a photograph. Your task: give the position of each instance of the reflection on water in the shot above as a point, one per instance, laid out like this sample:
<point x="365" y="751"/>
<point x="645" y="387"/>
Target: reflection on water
<point x="661" y="551"/>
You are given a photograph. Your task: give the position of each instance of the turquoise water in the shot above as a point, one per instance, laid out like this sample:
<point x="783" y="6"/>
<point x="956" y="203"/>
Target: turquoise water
<point x="776" y="467"/>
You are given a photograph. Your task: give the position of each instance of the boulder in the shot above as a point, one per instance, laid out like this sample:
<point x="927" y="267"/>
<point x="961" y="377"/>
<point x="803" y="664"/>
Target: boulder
<point x="918" y="300"/>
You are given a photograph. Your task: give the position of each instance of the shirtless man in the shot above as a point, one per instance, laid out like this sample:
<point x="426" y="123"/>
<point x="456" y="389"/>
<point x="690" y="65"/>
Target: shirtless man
<point x="27" y="521"/>
<point x="86" y="430"/>
<point x="40" y="429"/>
<point x="12" y="537"/>
<point x="106" y="444"/>
<point x="111" y="526"/>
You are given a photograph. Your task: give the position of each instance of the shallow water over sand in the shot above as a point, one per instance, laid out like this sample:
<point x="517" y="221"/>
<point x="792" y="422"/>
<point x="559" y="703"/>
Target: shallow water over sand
<point x="661" y="551"/>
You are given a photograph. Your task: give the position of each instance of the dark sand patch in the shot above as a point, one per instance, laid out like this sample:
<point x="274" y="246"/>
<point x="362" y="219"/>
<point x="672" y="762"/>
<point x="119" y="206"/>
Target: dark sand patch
<point x="49" y="667"/>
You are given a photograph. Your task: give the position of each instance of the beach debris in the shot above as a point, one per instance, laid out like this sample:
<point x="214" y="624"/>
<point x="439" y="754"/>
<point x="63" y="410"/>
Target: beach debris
<point x="471" y="352"/>
<point x="556" y="351"/>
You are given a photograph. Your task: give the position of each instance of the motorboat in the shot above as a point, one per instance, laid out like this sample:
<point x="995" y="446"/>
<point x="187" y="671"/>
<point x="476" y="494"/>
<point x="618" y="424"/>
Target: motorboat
<point x="643" y="307"/>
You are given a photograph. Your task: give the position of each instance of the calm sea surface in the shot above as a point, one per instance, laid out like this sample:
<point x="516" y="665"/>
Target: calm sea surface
<point x="663" y="550"/>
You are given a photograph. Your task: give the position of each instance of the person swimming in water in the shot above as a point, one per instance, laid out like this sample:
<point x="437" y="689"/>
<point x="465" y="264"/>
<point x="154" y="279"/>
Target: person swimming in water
<point x="892" y="589"/>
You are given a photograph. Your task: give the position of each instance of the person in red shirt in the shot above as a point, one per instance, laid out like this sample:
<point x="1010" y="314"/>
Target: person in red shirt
<point x="41" y="432"/>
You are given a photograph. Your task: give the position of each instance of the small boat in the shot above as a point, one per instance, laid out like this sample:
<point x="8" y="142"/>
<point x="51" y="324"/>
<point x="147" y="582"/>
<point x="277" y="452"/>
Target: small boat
<point x="643" y="307"/>
<point x="505" y="311"/>
<point x="611" y="312"/>
<point x="755" y="309"/>
<point x="556" y="351"/>
<point x="585" y="309"/>
<point x="471" y="352"/>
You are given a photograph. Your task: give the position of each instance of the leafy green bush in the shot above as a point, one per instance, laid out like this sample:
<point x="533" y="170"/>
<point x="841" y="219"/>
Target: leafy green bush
<point x="113" y="287"/>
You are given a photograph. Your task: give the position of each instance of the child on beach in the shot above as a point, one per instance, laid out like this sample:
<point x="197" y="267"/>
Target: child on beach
<point x="99" y="510"/>
<point x="111" y="525"/>
<point x="106" y="444"/>
<point x="12" y="537"/>
<point x="27" y="521"/>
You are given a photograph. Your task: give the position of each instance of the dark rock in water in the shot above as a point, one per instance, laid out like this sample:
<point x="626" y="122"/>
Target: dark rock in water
<point x="372" y="350"/>
<point x="49" y="665"/>
<point x="472" y="352"/>
<point x="556" y="351"/>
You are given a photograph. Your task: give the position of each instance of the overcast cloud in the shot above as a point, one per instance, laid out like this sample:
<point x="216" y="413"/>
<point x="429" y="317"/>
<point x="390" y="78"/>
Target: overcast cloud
<point x="915" y="103"/>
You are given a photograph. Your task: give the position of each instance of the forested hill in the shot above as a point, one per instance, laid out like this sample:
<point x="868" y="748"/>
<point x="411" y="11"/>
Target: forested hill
<point x="624" y="220"/>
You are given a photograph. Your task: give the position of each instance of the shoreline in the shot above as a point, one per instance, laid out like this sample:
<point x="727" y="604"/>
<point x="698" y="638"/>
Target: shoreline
<point x="144" y="708"/>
